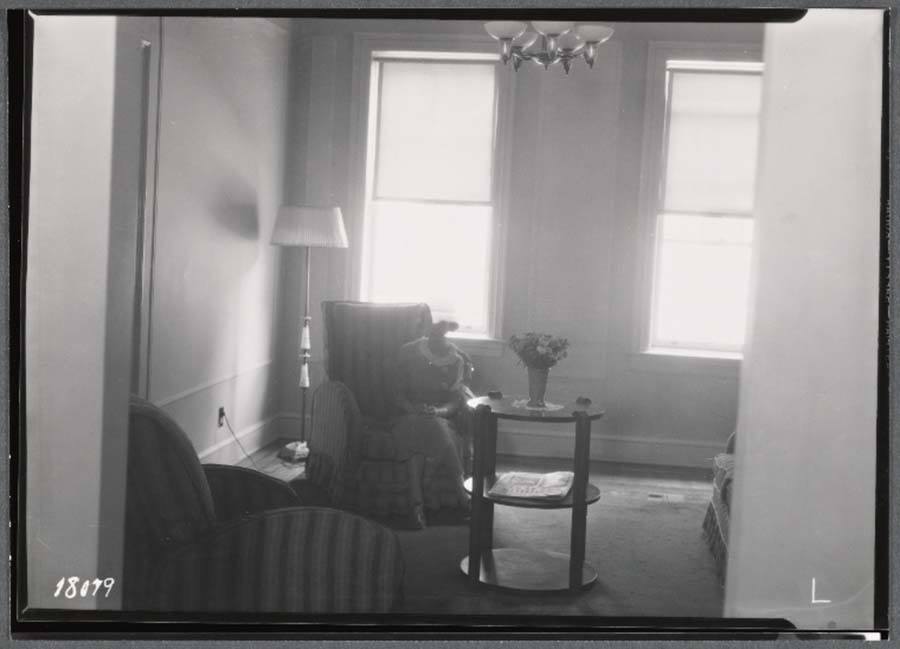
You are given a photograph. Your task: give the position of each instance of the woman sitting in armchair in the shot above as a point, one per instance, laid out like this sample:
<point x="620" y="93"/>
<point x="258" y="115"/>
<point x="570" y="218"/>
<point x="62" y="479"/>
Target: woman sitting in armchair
<point x="431" y="392"/>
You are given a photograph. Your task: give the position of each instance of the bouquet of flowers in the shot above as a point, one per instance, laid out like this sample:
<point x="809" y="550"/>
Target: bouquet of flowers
<point x="539" y="351"/>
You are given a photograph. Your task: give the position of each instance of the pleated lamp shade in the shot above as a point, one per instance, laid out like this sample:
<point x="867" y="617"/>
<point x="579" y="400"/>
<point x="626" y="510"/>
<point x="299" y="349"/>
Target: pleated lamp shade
<point x="315" y="227"/>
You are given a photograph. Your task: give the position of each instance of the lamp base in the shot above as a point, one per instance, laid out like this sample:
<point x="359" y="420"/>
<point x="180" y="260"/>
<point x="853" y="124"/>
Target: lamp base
<point x="294" y="452"/>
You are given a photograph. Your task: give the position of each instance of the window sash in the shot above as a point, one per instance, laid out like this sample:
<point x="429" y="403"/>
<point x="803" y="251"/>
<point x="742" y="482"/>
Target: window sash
<point x="653" y="340"/>
<point x="485" y="288"/>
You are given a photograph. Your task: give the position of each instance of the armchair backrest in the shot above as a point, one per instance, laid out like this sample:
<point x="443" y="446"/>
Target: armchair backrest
<point x="167" y="498"/>
<point x="361" y="343"/>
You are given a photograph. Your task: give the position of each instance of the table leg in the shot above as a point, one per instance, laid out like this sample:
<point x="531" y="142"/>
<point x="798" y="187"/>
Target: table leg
<point x="490" y="471"/>
<point x="483" y="418"/>
<point x="579" y="499"/>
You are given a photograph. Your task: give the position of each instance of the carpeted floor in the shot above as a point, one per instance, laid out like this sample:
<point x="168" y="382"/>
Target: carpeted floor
<point x="643" y="536"/>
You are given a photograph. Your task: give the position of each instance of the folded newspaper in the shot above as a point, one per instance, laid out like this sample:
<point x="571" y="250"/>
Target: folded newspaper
<point x="533" y="486"/>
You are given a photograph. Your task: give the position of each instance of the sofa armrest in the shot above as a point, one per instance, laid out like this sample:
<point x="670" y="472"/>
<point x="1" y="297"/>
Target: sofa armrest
<point x="729" y="445"/>
<point x="238" y="492"/>
<point x="294" y="560"/>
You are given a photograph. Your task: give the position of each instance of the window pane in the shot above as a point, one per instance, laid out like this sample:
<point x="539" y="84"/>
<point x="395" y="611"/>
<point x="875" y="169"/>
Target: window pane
<point x="712" y="139"/>
<point x="435" y="133"/>
<point x="433" y="253"/>
<point x="702" y="282"/>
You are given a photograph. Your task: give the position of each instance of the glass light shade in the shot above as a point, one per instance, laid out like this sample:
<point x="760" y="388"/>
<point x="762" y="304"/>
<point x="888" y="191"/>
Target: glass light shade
<point x="500" y="29"/>
<point x="594" y="33"/>
<point x="570" y="41"/>
<point x="526" y="39"/>
<point x="551" y="27"/>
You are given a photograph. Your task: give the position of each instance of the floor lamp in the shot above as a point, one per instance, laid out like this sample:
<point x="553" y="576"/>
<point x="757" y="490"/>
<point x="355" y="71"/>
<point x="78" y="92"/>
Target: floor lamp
<point x="308" y="227"/>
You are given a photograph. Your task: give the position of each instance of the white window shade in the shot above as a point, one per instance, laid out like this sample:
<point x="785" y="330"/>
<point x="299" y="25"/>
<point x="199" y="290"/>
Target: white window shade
<point x="435" y="131"/>
<point x="713" y="124"/>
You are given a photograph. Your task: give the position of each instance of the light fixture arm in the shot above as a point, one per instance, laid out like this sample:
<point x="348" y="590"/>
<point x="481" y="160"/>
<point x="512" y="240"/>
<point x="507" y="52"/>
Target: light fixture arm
<point x="506" y="49"/>
<point x="550" y="54"/>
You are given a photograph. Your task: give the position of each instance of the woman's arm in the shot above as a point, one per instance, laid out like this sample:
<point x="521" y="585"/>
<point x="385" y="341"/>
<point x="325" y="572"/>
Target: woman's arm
<point x="450" y="408"/>
<point x="446" y="410"/>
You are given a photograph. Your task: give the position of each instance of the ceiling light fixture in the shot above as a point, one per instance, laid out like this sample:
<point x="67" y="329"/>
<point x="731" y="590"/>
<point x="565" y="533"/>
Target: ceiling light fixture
<point x="560" y="41"/>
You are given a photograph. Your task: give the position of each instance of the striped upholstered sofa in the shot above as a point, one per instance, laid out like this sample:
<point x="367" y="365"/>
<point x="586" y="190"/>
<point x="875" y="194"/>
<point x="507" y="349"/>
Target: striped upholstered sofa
<point x="353" y="456"/>
<point x="203" y="538"/>
<point x="718" y="512"/>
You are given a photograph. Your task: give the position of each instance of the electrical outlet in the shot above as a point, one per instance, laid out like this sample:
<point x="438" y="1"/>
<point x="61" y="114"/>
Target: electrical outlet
<point x="221" y="416"/>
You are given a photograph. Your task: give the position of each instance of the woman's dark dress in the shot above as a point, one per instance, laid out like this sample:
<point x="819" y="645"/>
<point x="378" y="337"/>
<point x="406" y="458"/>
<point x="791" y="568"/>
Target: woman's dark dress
<point x="425" y="378"/>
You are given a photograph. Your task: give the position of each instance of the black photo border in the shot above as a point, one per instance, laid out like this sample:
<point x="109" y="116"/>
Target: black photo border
<point x="550" y="632"/>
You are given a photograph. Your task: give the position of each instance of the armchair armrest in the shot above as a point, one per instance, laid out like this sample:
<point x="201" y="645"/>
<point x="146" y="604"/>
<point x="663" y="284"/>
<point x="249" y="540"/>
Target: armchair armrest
<point x="295" y="560"/>
<point x="238" y="492"/>
<point x="335" y="439"/>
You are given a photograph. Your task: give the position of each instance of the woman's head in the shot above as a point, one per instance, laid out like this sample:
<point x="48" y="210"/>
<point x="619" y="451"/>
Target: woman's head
<point x="439" y="329"/>
<point x="436" y="335"/>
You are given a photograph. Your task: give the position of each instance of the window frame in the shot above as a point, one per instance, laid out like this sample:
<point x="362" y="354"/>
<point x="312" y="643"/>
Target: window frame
<point x="653" y="162"/>
<point x="436" y="46"/>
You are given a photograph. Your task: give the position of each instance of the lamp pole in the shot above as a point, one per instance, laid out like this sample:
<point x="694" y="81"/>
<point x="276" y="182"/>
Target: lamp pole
<point x="304" y="226"/>
<point x="305" y="348"/>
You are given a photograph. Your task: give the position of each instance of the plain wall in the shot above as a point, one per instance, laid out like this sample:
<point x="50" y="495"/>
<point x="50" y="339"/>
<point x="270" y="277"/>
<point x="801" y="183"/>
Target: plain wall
<point x="84" y="183"/>
<point x="571" y="245"/>
<point x="223" y="96"/>
<point x="804" y="492"/>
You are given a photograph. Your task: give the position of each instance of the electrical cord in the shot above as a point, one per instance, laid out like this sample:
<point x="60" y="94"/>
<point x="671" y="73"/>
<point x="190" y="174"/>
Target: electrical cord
<point x="243" y="450"/>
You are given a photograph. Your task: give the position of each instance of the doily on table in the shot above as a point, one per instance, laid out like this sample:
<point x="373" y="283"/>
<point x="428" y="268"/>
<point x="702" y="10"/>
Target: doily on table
<point x="547" y="407"/>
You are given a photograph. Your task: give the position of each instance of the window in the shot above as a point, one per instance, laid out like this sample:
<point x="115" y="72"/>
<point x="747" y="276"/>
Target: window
<point x="703" y="207"/>
<point x="430" y="173"/>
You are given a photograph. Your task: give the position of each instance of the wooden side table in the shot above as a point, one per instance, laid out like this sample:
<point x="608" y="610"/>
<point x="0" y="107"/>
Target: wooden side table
<point x="520" y="569"/>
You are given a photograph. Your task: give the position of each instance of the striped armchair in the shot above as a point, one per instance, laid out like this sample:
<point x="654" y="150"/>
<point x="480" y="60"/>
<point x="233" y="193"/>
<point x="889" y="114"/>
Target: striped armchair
<point x="353" y="455"/>
<point x="225" y="539"/>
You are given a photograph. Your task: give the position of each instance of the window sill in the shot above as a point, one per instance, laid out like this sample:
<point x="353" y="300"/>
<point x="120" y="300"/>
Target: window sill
<point x="694" y="353"/>
<point x="478" y="345"/>
<point x="682" y="361"/>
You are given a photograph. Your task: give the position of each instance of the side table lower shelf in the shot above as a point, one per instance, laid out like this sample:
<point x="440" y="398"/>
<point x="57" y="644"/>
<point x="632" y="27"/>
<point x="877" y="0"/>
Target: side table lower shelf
<point x="522" y="569"/>
<point x="528" y="570"/>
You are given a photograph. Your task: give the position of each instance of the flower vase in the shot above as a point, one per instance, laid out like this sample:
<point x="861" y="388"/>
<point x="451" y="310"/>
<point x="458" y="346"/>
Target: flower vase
<point x="537" y="386"/>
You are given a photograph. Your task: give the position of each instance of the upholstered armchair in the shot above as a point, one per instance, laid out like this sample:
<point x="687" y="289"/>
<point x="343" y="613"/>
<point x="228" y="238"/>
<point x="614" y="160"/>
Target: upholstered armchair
<point x="202" y="538"/>
<point x="353" y="455"/>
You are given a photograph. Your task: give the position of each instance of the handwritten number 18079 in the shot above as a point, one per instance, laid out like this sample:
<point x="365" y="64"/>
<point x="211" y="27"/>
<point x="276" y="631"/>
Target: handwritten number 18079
<point x="70" y="588"/>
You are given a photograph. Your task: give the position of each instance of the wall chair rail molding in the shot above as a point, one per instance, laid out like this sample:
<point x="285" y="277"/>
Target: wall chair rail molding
<point x="184" y="394"/>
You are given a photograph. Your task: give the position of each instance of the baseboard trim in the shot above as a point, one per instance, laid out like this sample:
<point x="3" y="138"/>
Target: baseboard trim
<point x="558" y="442"/>
<point x="252" y="438"/>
